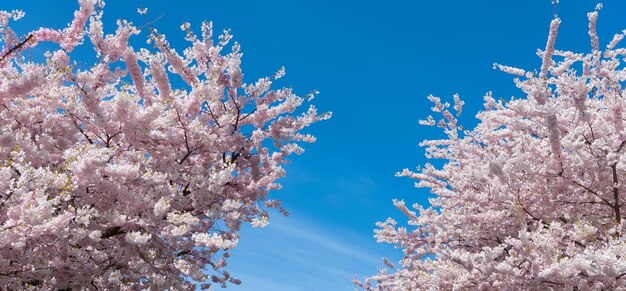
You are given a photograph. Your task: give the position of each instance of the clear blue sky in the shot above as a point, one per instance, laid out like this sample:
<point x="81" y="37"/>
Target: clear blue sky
<point x="374" y="63"/>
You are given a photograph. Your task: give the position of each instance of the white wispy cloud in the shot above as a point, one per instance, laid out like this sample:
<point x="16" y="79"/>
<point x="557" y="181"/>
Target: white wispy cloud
<point x="295" y="254"/>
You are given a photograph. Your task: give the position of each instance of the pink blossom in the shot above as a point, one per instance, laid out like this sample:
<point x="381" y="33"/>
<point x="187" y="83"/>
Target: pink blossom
<point x="530" y="199"/>
<point x="102" y="191"/>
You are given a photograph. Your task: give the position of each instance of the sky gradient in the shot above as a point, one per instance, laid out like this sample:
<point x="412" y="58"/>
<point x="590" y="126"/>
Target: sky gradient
<point x="374" y="63"/>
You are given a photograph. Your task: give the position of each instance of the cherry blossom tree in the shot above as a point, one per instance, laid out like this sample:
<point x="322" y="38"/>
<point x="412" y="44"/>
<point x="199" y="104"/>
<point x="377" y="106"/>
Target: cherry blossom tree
<point x="534" y="197"/>
<point x="114" y="177"/>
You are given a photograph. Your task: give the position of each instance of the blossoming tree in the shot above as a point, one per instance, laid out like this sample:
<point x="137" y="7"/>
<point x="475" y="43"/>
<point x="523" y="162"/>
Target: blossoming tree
<point x="112" y="177"/>
<point x="533" y="198"/>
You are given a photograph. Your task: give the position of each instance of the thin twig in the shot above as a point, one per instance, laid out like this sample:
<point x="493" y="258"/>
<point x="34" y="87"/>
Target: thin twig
<point x="15" y="48"/>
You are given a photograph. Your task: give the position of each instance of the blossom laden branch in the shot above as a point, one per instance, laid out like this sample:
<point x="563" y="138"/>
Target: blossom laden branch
<point x="16" y="47"/>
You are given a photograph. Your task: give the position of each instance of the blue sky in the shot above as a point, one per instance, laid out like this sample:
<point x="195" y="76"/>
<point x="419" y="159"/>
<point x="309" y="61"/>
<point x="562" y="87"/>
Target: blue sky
<point x="374" y="63"/>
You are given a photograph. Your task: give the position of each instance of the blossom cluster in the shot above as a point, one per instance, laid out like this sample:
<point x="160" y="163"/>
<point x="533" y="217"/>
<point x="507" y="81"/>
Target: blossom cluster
<point x="534" y="197"/>
<point x="112" y="177"/>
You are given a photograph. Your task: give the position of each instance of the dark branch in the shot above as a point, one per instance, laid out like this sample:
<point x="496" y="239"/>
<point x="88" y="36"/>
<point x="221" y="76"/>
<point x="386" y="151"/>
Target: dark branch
<point x="112" y="231"/>
<point x="15" y="48"/>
